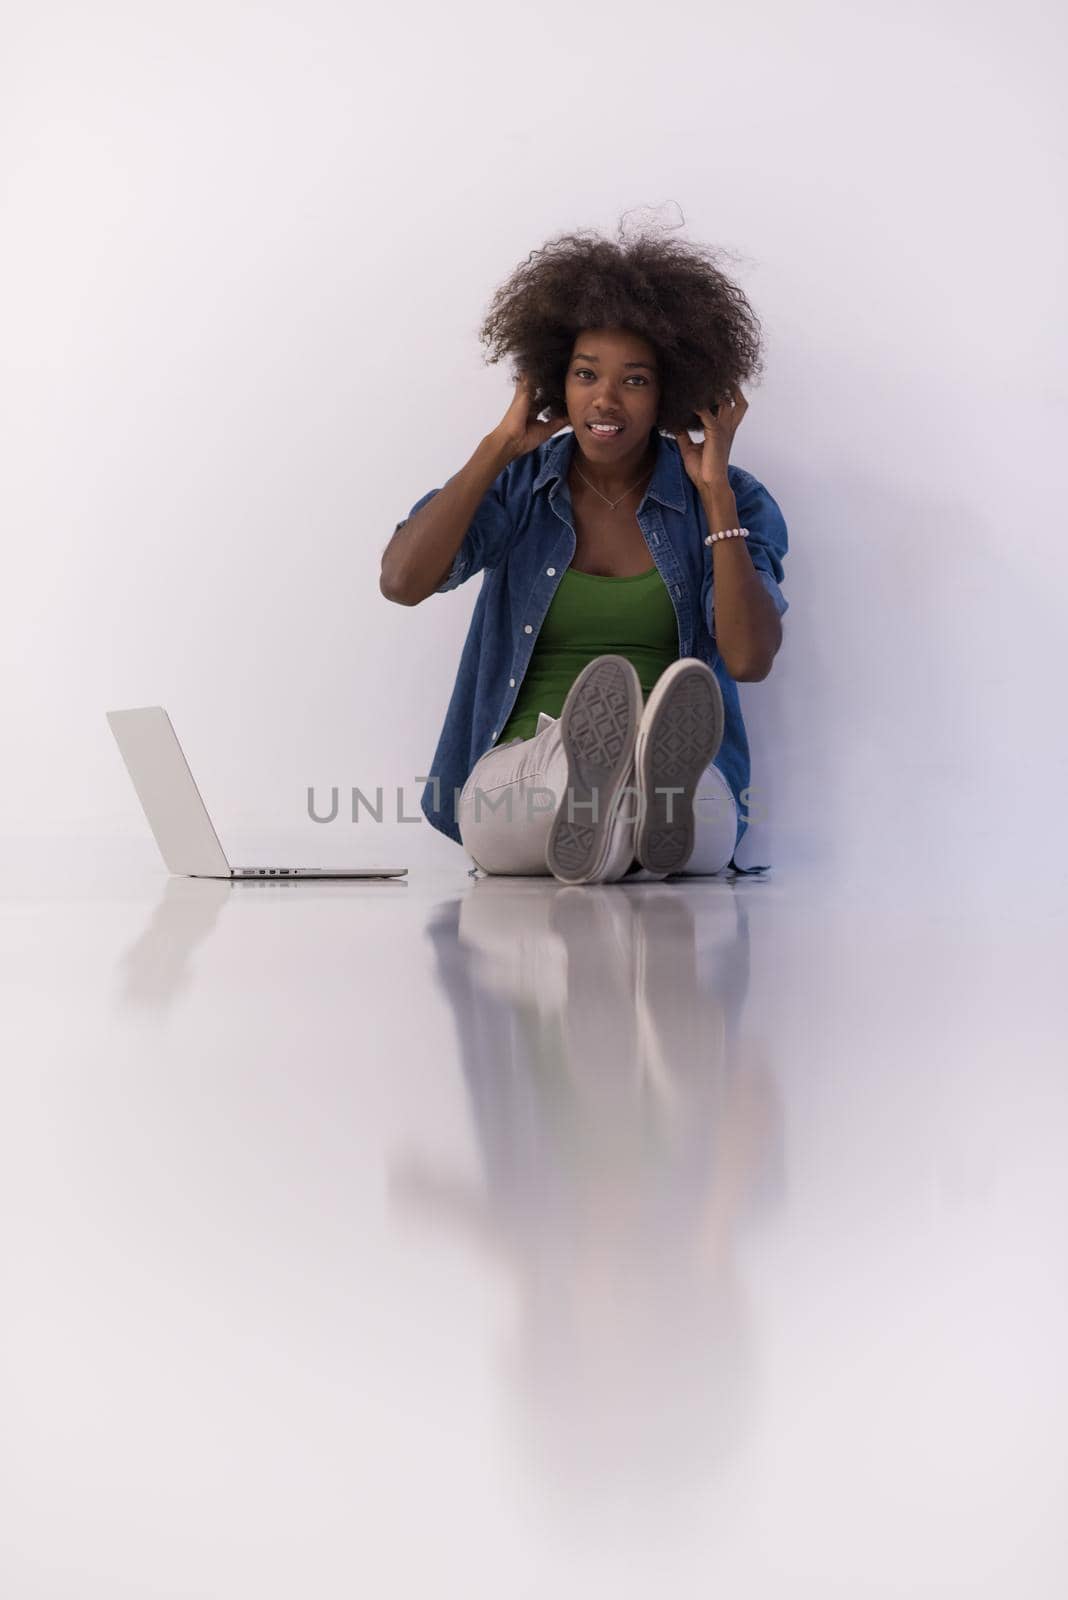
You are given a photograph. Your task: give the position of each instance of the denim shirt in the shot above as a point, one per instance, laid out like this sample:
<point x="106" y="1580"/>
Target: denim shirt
<point x="523" y="538"/>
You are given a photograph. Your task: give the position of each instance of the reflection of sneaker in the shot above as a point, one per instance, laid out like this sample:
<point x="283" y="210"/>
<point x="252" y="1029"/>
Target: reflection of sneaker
<point x="679" y="734"/>
<point x="598" y="727"/>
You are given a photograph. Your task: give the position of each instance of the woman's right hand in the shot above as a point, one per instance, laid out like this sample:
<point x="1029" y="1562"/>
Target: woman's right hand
<point x="519" y="429"/>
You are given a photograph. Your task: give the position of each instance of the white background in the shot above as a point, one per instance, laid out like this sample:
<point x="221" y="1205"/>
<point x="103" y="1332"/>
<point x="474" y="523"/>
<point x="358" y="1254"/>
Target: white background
<point x="316" y="1199"/>
<point x="245" y="255"/>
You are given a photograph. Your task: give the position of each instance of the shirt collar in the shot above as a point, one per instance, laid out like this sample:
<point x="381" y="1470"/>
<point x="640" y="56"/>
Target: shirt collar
<point x="665" y="484"/>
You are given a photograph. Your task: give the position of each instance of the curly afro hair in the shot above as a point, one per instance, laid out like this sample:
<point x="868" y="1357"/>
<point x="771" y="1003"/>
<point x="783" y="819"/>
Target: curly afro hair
<point x="701" y="325"/>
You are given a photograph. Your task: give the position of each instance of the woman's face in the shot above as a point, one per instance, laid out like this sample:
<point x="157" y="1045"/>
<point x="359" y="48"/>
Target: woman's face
<point x="612" y="376"/>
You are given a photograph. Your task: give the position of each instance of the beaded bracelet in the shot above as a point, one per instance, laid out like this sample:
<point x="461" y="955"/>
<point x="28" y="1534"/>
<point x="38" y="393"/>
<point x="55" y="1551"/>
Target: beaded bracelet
<point x="727" y="533"/>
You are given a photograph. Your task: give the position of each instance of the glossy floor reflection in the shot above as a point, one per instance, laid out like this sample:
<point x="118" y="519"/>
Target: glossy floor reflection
<point x="496" y="1237"/>
<point x="623" y="1131"/>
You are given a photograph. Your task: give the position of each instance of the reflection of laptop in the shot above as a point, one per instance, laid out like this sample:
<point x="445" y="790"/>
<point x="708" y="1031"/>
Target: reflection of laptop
<point x="178" y="816"/>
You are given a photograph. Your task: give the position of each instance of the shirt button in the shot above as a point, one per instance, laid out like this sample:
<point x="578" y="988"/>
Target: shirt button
<point x="550" y="572"/>
<point x="493" y="735"/>
<point x="527" y="628"/>
<point x="511" y="683"/>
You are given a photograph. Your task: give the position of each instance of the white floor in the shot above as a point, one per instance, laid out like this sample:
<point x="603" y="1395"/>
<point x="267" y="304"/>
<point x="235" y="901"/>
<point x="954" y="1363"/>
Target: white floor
<point x="494" y="1238"/>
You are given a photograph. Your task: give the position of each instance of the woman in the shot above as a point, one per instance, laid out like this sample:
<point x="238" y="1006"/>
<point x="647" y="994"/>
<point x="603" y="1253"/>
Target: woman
<point x="632" y="576"/>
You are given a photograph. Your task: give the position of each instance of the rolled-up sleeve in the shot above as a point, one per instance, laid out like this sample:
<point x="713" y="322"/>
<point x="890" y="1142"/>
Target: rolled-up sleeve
<point x="767" y="543"/>
<point x="487" y="538"/>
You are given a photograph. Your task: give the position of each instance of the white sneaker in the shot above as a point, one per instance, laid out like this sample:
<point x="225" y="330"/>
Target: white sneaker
<point x="598" y="729"/>
<point x="679" y="734"/>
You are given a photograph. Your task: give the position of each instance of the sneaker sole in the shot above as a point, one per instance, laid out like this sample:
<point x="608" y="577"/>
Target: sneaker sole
<point x="598" y="728"/>
<point x="682" y="729"/>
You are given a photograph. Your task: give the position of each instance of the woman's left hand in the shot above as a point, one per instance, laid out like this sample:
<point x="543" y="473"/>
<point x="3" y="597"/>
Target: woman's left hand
<point x="707" y="463"/>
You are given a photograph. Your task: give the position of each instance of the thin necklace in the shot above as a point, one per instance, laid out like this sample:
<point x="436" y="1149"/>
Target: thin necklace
<point x="604" y="497"/>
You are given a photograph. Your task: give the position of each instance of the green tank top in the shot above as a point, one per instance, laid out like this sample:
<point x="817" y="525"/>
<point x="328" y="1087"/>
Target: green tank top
<point x="594" y="616"/>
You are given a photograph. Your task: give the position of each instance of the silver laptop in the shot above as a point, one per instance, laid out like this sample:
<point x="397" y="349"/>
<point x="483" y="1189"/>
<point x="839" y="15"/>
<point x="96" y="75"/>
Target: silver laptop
<point x="178" y="816"/>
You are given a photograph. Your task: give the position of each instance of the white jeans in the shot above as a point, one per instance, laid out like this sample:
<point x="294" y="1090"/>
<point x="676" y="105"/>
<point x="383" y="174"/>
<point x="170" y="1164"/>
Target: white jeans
<point x="510" y="798"/>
